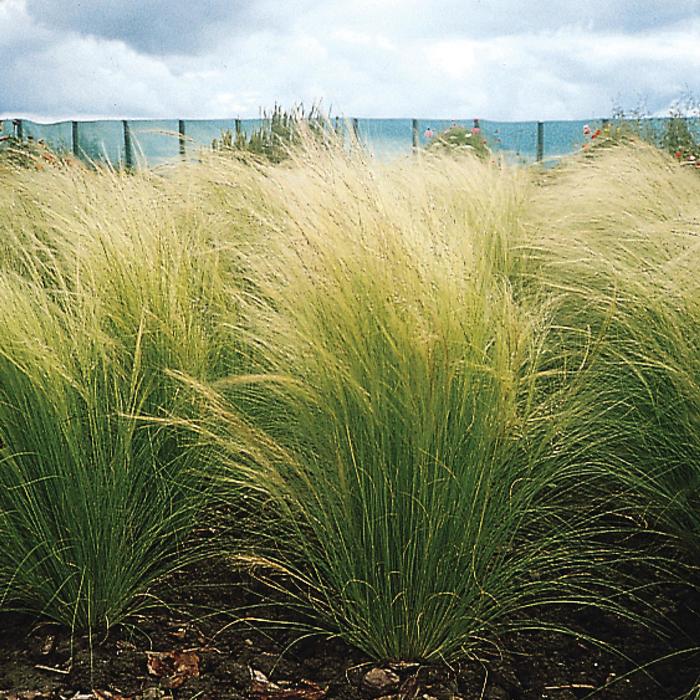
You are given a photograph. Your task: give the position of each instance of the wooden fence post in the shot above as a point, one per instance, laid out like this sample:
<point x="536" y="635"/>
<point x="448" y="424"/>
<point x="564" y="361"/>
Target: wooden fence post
<point x="540" y="141"/>
<point x="414" y="134"/>
<point x="355" y="129"/>
<point x="20" y="129"/>
<point x="128" y="155"/>
<point x="75" y="142"/>
<point x="181" y="136"/>
<point x="238" y="126"/>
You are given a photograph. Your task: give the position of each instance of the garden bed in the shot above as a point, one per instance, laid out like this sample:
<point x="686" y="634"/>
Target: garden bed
<point x="192" y="651"/>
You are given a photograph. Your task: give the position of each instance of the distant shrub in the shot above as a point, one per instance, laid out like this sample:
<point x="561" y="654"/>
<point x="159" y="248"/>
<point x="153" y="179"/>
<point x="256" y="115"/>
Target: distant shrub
<point x="674" y="135"/>
<point x="679" y="140"/>
<point x="280" y="133"/>
<point x="456" y="139"/>
<point x="29" y="153"/>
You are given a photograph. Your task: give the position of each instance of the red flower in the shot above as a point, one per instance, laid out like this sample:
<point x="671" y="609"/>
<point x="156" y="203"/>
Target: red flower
<point x="596" y="133"/>
<point x="678" y="154"/>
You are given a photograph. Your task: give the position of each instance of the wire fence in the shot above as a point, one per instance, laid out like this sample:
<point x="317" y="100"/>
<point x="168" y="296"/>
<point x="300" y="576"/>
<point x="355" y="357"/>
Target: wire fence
<point x="147" y="143"/>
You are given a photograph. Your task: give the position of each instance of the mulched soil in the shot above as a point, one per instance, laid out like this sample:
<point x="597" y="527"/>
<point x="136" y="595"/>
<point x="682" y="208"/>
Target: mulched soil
<point x="171" y="653"/>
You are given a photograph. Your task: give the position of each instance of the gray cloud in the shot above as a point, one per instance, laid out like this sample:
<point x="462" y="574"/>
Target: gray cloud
<point x="180" y="26"/>
<point x="155" y="26"/>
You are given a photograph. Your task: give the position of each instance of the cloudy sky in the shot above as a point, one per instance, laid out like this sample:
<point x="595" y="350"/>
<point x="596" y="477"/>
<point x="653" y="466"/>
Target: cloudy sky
<point x="497" y="59"/>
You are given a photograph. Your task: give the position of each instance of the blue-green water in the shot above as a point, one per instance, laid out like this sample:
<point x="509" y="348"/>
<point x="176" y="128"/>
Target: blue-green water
<point x="156" y="141"/>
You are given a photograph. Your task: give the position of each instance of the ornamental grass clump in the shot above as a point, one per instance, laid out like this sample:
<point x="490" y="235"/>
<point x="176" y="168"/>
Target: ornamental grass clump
<point x="623" y="257"/>
<point x="110" y="283"/>
<point x="416" y="493"/>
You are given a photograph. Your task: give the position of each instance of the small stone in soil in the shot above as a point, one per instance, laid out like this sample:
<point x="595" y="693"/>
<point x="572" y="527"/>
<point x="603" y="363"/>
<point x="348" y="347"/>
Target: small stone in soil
<point x="380" y="681"/>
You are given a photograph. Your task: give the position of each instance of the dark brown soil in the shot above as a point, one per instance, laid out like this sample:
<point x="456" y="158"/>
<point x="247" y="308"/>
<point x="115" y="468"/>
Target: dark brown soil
<point x="208" y="657"/>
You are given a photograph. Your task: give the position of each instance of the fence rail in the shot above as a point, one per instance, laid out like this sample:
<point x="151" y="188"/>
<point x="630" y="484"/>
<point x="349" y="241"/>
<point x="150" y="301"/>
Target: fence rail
<point x="132" y="143"/>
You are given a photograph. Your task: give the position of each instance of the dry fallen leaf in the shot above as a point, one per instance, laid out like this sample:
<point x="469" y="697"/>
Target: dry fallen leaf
<point x="106" y="695"/>
<point x="173" y="667"/>
<point x="264" y="689"/>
